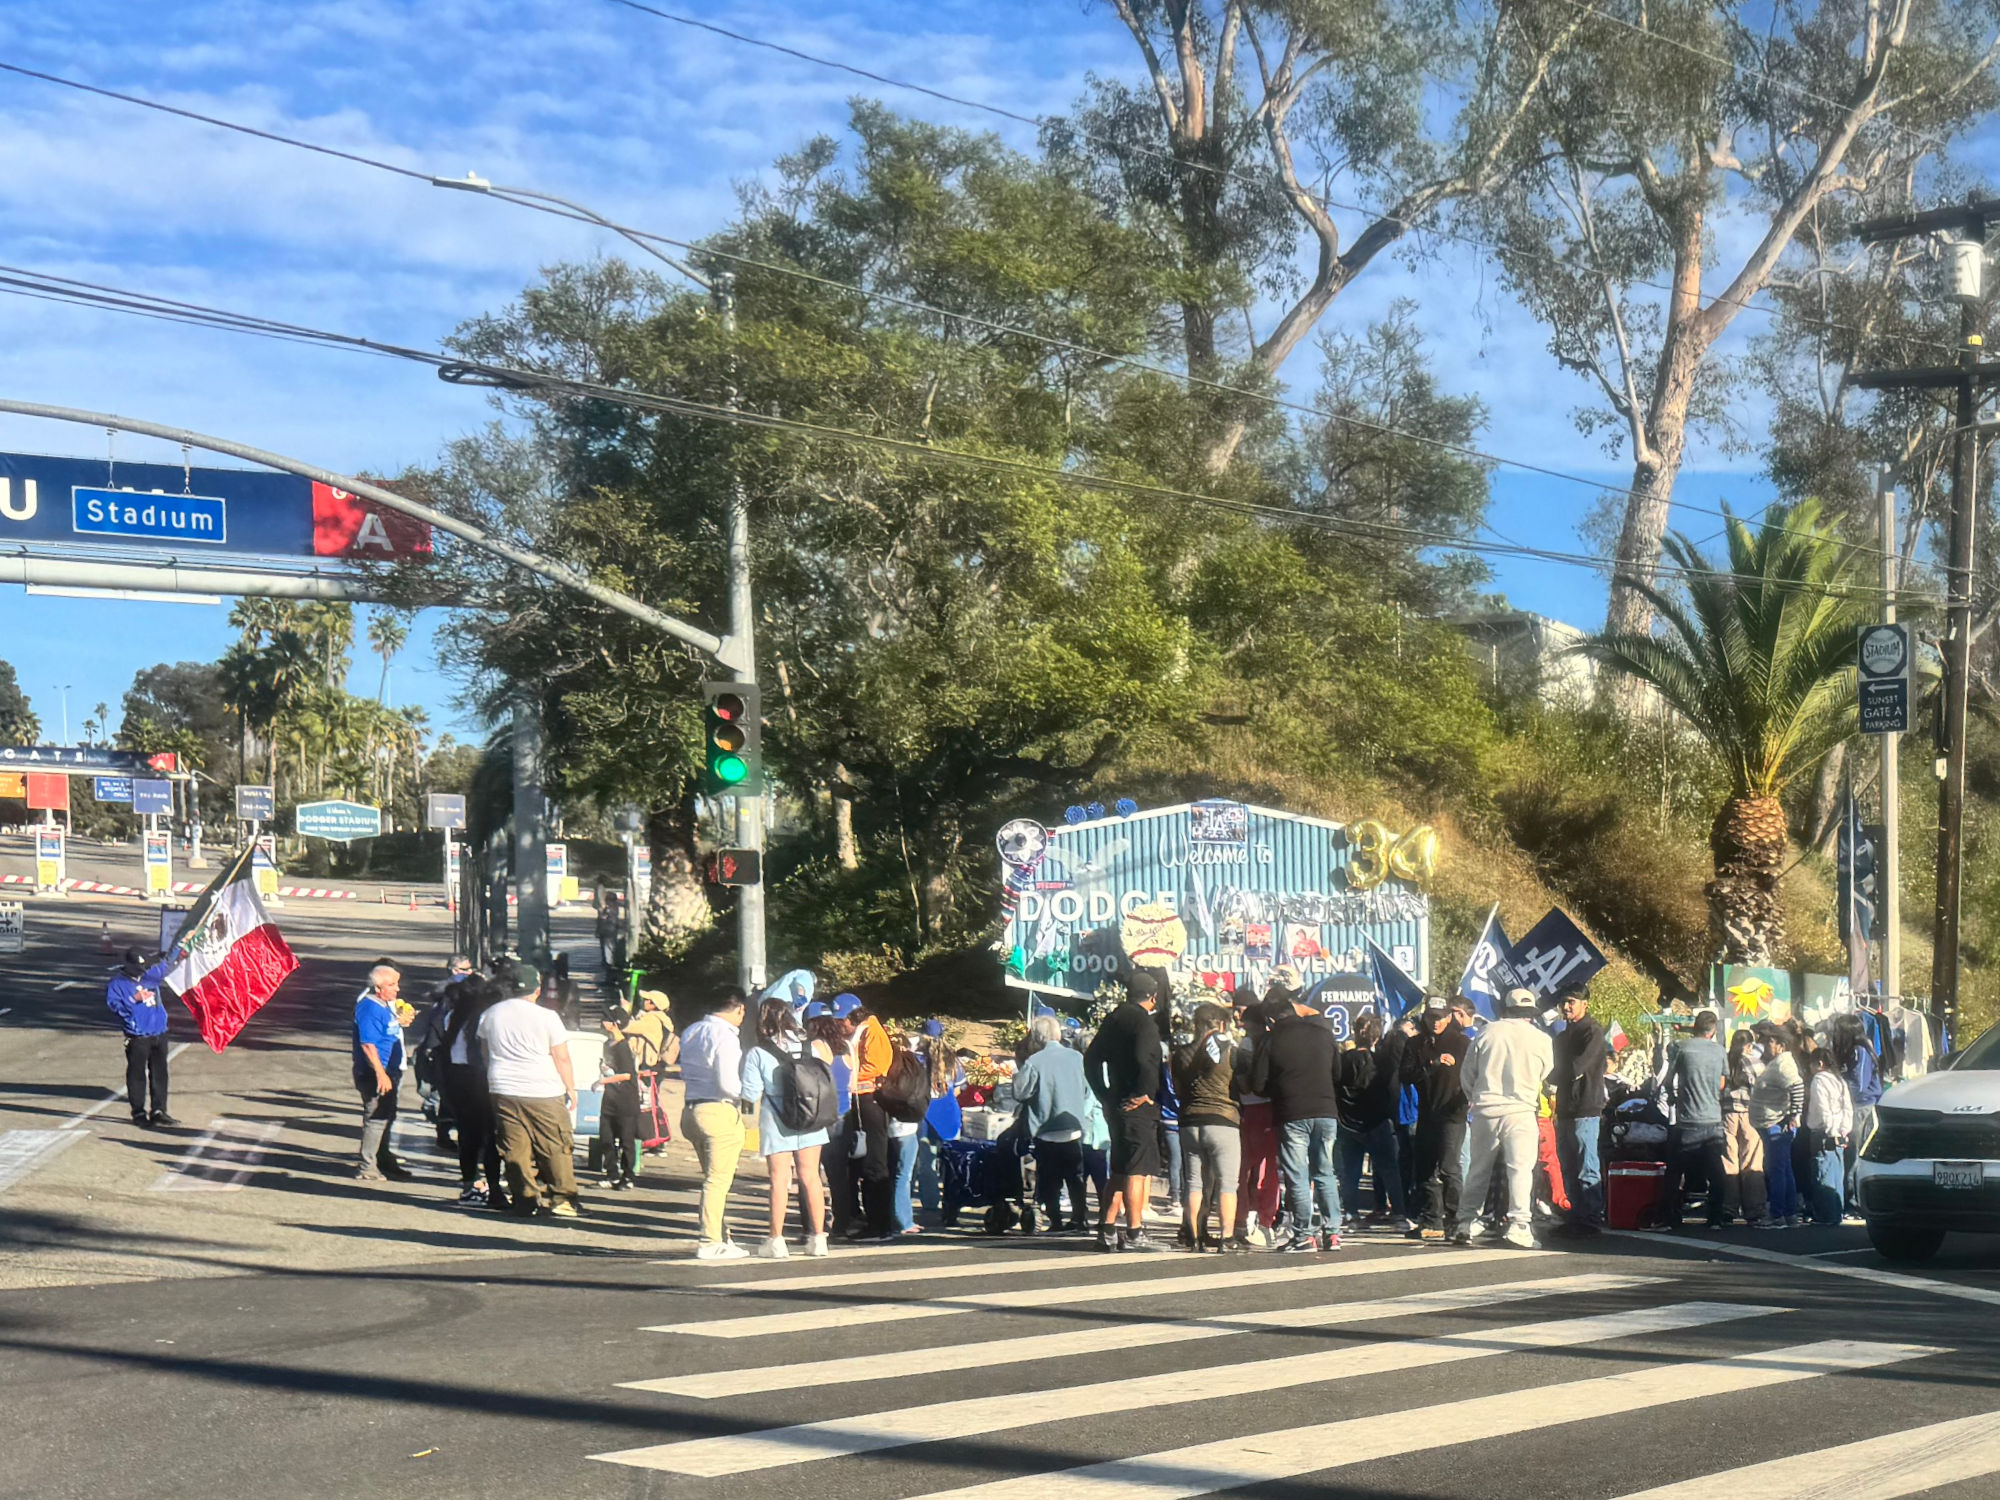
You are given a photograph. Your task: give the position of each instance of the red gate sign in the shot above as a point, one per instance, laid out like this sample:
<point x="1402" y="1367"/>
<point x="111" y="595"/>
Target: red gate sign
<point x="46" y="791"/>
<point x="345" y="525"/>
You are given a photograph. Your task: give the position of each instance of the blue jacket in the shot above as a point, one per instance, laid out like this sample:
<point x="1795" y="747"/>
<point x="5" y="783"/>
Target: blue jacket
<point x="1051" y="1089"/>
<point x="122" y="996"/>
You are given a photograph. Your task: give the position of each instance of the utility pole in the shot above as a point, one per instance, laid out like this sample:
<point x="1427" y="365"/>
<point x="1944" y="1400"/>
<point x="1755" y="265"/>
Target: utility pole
<point x="1888" y="858"/>
<point x="1967" y="377"/>
<point x="743" y="640"/>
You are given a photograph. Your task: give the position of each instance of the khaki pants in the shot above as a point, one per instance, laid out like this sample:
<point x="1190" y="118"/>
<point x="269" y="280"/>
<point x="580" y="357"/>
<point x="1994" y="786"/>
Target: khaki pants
<point x="1743" y="1186"/>
<point x="715" y="1130"/>
<point x="535" y="1145"/>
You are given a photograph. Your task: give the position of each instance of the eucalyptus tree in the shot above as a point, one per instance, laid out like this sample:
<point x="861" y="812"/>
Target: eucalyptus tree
<point x="1675" y="153"/>
<point x="1268" y="128"/>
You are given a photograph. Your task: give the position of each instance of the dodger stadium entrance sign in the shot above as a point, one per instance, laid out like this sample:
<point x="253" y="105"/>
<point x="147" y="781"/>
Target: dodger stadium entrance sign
<point x="1216" y="891"/>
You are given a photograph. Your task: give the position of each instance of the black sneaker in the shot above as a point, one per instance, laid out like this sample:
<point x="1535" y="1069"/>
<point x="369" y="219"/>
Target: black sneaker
<point x="1302" y="1244"/>
<point x="1461" y="1238"/>
<point x="395" y="1171"/>
<point x="142" y="1121"/>
<point x="161" y="1117"/>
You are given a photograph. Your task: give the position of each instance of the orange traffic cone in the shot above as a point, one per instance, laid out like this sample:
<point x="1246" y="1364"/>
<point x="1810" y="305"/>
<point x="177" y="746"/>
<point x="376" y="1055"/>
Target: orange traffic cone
<point x="104" y="941"/>
<point x="413" y="900"/>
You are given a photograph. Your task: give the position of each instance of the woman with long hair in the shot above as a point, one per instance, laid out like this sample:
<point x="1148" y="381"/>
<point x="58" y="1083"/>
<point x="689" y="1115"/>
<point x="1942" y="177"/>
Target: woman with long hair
<point x="1743" y="1191"/>
<point x="465" y="1093"/>
<point x="787" y="1154"/>
<point x="1204" y="1072"/>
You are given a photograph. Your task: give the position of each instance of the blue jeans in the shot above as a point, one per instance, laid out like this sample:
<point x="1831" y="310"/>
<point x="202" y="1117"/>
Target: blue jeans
<point x="929" y="1190"/>
<point x="1378" y="1144"/>
<point x="1176" y="1187"/>
<point x="1583" y="1178"/>
<point x="902" y="1169"/>
<point x="1778" y="1179"/>
<point x="1829" y="1161"/>
<point x="1305" y="1156"/>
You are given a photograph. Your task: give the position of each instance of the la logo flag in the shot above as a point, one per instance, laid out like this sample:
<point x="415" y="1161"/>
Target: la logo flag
<point x="1478" y="982"/>
<point x="1395" y="992"/>
<point x="229" y="958"/>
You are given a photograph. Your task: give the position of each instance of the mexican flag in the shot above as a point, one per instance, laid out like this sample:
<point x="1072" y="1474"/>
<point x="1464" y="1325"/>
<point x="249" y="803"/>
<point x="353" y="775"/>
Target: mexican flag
<point x="229" y="958"/>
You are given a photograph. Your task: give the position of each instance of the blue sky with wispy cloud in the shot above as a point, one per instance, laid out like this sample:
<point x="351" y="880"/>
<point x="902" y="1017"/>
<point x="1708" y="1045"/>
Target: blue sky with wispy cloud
<point x="647" y="121"/>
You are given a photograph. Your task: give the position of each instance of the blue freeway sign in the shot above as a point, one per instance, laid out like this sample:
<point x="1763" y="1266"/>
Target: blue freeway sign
<point x="152" y="797"/>
<point x="255" y="804"/>
<point x="127" y="515"/>
<point x="342" y="822"/>
<point x="111" y="788"/>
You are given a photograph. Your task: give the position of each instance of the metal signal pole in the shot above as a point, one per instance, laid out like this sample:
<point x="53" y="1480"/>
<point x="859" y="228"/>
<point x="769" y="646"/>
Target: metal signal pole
<point x="1888" y="859"/>
<point x="743" y="641"/>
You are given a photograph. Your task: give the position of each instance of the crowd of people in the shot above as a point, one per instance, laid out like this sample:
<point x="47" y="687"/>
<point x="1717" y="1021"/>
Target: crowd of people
<point x="1255" y="1120"/>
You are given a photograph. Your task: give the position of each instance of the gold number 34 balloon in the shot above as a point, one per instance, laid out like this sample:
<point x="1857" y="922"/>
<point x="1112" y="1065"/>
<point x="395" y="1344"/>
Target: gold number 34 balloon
<point x="1378" y="854"/>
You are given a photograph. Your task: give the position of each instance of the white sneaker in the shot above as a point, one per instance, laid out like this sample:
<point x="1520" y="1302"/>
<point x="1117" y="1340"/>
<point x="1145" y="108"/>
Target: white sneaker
<point x="816" y="1246"/>
<point x="1520" y="1237"/>
<point x="720" y="1250"/>
<point x="773" y="1250"/>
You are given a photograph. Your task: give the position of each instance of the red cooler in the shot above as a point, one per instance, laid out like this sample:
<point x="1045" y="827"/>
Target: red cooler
<point x="1632" y="1192"/>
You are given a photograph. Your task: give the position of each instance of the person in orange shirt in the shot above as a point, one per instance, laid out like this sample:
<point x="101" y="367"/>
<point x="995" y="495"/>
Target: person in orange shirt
<point x="866" y="1134"/>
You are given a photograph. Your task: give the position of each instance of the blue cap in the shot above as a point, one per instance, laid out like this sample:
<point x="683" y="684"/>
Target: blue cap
<point x="845" y="1004"/>
<point x="817" y="1008"/>
<point x="933" y="1028"/>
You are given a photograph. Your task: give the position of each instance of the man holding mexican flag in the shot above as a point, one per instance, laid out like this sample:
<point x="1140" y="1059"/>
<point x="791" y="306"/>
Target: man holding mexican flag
<point x="229" y="958"/>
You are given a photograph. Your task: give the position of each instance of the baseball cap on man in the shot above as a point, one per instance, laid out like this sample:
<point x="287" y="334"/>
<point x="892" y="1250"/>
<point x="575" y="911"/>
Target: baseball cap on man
<point x="1522" y="999"/>
<point x="1437" y="1005"/>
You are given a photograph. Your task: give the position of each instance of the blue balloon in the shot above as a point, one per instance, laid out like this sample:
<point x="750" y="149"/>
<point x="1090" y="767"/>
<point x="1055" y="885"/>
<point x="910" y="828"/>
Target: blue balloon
<point x="1126" y="807"/>
<point x="1096" y="809"/>
<point x="1073" y="814"/>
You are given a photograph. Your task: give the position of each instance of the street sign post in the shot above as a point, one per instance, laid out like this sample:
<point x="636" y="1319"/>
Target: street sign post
<point x="159" y="865"/>
<point x="264" y="867"/>
<point x="1883" y="659"/>
<point x="256" y="804"/>
<point x="558" y="873"/>
<point x="444" y="810"/>
<point x="50" y="864"/>
<point x="342" y="822"/>
<point x="13" y="926"/>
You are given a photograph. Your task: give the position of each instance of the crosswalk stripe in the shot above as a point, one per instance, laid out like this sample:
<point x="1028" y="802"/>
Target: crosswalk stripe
<point x="1881" y="1468"/>
<point x="874" y="1431"/>
<point x="876" y="1313"/>
<point x="221" y="1158"/>
<point x="22" y="1151"/>
<point x="1079" y="1259"/>
<point x="891" y="1365"/>
<point x="1238" y="1462"/>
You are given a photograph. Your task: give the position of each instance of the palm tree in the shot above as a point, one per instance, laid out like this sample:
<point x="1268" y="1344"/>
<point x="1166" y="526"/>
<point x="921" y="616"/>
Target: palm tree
<point x="1757" y="657"/>
<point x="387" y="633"/>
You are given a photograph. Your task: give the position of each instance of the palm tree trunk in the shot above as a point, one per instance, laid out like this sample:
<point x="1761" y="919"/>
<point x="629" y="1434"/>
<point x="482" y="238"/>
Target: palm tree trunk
<point x="1746" y="916"/>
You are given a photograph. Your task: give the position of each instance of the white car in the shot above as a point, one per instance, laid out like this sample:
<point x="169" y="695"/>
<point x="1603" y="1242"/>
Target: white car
<point x="1931" y="1163"/>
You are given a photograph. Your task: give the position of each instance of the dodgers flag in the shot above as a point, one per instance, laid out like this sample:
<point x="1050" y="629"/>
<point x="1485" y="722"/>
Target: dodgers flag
<point x="1478" y="982"/>
<point x="1395" y="992"/>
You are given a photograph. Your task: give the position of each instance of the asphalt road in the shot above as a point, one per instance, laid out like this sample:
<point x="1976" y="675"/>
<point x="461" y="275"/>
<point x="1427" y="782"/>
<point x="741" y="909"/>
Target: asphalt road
<point x="222" y="1311"/>
<point x="1383" y="1371"/>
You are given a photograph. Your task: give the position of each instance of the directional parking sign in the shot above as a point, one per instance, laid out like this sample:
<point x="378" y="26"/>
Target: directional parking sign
<point x="1882" y="659"/>
<point x="256" y="804"/>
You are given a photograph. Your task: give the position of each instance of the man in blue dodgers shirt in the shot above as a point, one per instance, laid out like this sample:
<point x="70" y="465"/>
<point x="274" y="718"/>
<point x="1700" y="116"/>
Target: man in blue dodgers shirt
<point x="378" y="1067"/>
<point x="134" y="997"/>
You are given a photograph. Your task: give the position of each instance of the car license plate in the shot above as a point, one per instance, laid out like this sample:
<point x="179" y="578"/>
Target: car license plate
<point x="1958" y="1174"/>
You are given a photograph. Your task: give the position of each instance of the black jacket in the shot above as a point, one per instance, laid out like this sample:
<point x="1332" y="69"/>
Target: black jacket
<point x="1123" y="1059"/>
<point x="1298" y="1069"/>
<point x="1581" y="1057"/>
<point x="1370" y="1082"/>
<point x="1440" y="1094"/>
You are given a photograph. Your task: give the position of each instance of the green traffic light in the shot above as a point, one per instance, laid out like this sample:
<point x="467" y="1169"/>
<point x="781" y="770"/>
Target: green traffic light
<point x="730" y="769"/>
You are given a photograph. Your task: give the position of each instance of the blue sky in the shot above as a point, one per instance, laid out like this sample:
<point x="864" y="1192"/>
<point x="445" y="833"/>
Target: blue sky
<point x="643" y="120"/>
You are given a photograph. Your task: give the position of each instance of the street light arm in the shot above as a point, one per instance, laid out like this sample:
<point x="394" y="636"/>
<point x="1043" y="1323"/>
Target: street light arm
<point x="544" y="567"/>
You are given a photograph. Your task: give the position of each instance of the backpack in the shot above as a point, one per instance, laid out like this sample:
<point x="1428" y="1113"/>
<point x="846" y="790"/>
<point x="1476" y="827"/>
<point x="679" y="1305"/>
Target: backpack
<point x="805" y="1099"/>
<point x="905" y="1090"/>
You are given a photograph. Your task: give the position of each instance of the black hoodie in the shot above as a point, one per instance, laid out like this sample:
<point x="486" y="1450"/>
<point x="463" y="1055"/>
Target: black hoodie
<point x="1298" y="1069"/>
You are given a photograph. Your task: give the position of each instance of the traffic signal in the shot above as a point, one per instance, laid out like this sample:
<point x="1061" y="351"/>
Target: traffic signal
<point x="732" y="736"/>
<point x="736" y="867"/>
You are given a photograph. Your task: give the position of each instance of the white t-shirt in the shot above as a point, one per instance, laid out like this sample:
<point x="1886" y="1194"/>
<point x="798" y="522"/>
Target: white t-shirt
<point x="519" y="1036"/>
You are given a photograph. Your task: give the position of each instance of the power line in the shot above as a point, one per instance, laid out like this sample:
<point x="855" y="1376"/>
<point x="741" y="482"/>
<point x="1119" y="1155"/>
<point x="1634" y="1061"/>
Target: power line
<point x="15" y="281"/>
<point x="541" y="203"/>
<point x="1374" y="211"/>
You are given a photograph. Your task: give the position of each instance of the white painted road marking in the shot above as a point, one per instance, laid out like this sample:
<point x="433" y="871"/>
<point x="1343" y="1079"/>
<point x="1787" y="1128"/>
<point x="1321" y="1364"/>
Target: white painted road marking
<point x="973" y="1416"/>
<point x="890" y="1365"/>
<point x="1883" y="1468"/>
<point x="1239" y="1462"/>
<point x="1897" y="1279"/>
<point x="221" y="1159"/>
<point x="21" y="1151"/>
<point x="103" y="1104"/>
<point x="870" y="1314"/>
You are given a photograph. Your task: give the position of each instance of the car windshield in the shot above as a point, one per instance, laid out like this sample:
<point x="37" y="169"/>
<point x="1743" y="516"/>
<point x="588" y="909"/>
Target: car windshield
<point x="1983" y="1056"/>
